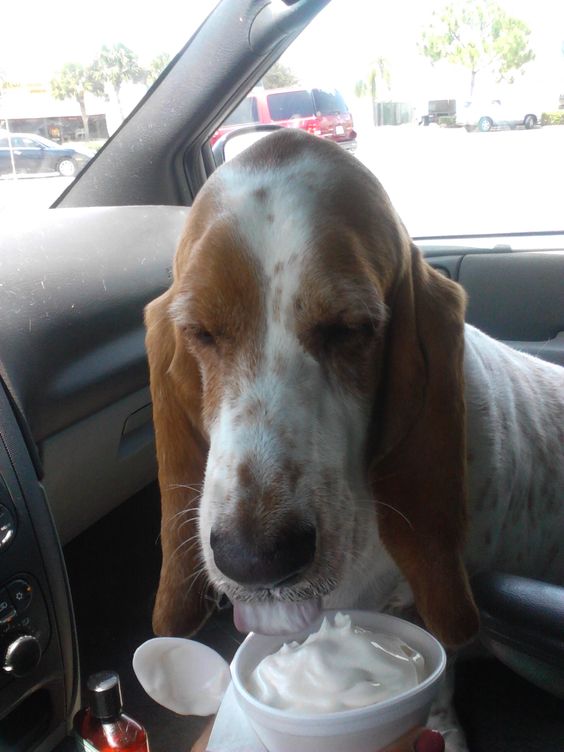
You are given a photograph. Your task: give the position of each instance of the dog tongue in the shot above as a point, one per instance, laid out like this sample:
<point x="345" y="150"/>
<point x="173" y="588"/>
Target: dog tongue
<point x="276" y="617"/>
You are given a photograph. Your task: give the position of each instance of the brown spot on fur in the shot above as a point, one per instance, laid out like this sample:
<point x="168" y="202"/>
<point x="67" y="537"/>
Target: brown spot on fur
<point x="257" y="498"/>
<point x="270" y="218"/>
<point x="245" y="475"/>
<point x="278" y="267"/>
<point x="261" y="194"/>
<point x="252" y="411"/>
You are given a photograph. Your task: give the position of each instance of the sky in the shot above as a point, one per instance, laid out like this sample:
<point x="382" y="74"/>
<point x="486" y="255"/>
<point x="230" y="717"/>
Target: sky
<point x="336" y="50"/>
<point x="70" y="33"/>
<point x="392" y="30"/>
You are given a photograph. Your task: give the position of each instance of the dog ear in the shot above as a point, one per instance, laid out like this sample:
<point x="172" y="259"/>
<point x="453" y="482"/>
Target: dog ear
<point x="419" y="474"/>
<point x="184" y="598"/>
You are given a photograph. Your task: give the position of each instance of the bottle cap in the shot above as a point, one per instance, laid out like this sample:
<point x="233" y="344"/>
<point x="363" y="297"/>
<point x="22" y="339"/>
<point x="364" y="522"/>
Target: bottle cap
<point x="104" y="695"/>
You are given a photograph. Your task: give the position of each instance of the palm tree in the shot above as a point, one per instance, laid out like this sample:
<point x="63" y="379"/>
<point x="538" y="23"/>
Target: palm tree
<point x="116" y="65"/>
<point x="73" y="82"/>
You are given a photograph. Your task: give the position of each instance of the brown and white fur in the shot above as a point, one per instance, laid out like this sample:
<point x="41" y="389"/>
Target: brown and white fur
<point x="309" y="368"/>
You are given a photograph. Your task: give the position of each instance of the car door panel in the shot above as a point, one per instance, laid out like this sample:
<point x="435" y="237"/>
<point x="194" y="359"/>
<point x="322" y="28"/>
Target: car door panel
<point x="516" y="297"/>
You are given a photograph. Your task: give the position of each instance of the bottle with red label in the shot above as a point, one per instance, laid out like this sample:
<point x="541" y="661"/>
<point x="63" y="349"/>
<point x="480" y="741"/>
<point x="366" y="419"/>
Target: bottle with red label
<point x="103" y="726"/>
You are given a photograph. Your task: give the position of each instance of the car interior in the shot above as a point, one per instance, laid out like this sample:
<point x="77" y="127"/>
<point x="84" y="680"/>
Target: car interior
<point x="79" y="502"/>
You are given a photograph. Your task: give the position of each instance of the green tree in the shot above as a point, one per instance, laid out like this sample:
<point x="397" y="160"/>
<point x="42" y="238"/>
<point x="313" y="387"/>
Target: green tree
<point x="480" y="36"/>
<point x="115" y="66"/>
<point x="280" y="75"/>
<point x="156" y="67"/>
<point x="73" y="81"/>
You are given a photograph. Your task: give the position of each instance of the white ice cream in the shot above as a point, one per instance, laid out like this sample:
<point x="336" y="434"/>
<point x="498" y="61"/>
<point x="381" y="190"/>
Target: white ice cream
<point x="337" y="668"/>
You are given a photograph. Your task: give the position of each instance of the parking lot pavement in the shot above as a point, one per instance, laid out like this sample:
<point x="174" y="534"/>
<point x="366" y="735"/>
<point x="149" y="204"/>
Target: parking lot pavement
<point x="450" y="182"/>
<point x="30" y="191"/>
<point x="441" y="181"/>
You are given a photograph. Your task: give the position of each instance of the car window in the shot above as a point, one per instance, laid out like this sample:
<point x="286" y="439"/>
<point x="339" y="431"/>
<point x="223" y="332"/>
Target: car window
<point x="288" y="105"/>
<point x="457" y="106"/>
<point x="24" y="142"/>
<point x="328" y="102"/>
<point x="246" y="112"/>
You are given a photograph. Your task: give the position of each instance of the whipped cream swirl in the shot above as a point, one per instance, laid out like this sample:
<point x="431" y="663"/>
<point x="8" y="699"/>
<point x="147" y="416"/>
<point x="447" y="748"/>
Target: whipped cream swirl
<point x="337" y="668"/>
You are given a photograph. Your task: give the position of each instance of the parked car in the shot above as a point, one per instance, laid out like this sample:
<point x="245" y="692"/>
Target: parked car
<point x="495" y="114"/>
<point x="28" y="152"/>
<point x="322" y="112"/>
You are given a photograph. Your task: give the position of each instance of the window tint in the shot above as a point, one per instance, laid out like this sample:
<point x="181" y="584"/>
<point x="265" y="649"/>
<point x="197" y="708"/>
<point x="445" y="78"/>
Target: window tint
<point x="246" y="112"/>
<point x="328" y="102"/>
<point x="291" y="104"/>
<point x="3" y="143"/>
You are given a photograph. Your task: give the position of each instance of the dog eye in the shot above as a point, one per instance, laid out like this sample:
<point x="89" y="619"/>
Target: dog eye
<point x="202" y="335"/>
<point x="338" y="333"/>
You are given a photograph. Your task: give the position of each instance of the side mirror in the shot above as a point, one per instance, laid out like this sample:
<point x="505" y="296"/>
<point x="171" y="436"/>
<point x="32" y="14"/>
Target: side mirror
<point x="236" y="141"/>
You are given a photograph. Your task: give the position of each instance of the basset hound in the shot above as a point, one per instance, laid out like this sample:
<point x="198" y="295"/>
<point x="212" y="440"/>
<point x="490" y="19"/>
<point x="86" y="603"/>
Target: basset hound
<point x="329" y="430"/>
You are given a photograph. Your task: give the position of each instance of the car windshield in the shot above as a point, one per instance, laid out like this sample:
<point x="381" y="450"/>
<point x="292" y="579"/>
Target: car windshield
<point x="456" y="105"/>
<point x="70" y="83"/>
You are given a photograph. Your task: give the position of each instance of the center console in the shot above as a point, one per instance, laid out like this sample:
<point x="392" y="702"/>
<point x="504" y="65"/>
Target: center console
<point x="38" y="651"/>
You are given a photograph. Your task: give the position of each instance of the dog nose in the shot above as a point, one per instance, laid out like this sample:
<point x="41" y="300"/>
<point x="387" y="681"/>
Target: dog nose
<point x="247" y="559"/>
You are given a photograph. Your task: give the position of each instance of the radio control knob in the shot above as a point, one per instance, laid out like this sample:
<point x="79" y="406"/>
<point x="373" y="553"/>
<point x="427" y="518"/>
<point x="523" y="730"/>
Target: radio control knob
<point x="20" y="655"/>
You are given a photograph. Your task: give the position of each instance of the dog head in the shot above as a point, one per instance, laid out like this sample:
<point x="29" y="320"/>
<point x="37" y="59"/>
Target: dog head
<point x="306" y="372"/>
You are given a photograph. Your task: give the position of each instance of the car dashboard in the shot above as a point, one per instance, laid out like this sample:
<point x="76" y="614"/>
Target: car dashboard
<point x="75" y="420"/>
